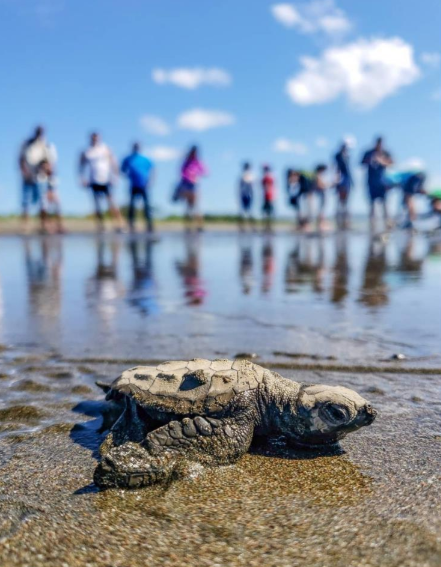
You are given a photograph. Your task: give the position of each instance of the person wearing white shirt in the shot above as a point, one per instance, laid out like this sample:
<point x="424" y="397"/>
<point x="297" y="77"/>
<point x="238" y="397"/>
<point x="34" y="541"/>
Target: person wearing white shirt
<point x="98" y="171"/>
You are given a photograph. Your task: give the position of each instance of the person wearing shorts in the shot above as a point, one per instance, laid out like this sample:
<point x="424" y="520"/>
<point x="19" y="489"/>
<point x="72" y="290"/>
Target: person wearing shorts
<point x="377" y="160"/>
<point x="138" y="169"/>
<point x="343" y="185"/>
<point x="246" y="193"/>
<point x="98" y="171"/>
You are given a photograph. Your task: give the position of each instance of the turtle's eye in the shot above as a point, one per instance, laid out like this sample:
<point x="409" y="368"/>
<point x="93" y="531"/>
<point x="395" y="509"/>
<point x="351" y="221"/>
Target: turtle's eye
<point x="334" y="414"/>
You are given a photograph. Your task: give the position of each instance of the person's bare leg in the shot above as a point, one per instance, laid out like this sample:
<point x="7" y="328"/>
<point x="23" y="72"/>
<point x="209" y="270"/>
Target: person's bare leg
<point x="115" y="213"/>
<point x="372" y="216"/>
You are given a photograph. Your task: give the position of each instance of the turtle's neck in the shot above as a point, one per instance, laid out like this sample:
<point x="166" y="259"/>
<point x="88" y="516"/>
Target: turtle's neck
<point x="277" y="402"/>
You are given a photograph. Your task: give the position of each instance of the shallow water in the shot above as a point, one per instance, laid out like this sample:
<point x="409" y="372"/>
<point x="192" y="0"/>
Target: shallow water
<point x="80" y="309"/>
<point x="349" y="297"/>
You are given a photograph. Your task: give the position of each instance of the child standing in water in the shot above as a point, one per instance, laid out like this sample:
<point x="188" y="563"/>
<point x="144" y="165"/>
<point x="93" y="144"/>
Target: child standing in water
<point x="269" y="196"/>
<point x="246" y="189"/>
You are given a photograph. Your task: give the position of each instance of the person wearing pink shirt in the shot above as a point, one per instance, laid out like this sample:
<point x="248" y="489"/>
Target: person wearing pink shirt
<point x="192" y="169"/>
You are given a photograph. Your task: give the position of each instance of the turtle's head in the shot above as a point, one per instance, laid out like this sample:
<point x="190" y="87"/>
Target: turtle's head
<point x="326" y="414"/>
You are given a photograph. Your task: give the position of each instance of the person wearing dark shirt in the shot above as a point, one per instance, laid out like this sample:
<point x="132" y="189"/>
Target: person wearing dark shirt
<point x="343" y="185"/>
<point x="298" y="186"/>
<point x="377" y="161"/>
<point x="269" y="196"/>
<point x="138" y="168"/>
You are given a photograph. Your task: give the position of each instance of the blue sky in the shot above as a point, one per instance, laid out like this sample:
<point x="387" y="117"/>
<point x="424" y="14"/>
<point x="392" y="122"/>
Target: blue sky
<point x="276" y="82"/>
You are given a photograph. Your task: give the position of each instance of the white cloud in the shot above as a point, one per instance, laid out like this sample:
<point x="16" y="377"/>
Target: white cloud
<point x="350" y="140"/>
<point x="163" y="153"/>
<point x="431" y="59"/>
<point x="365" y="71"/>
<point x="316" y="16"/>
<point x="154" y="125"/>
<point x="199" y="119"/>
<point x="412" y="163"/>
<point x="322" y="142"/>
<point x="192" y="78"/>
<point x="286" y="146"/>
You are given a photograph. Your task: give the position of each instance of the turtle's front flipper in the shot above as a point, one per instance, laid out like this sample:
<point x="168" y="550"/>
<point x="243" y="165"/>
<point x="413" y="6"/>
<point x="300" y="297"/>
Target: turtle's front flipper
<point x="166" y="450"/>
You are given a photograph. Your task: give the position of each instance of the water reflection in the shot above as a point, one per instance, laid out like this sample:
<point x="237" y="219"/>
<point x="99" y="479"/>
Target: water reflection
<point x="143" y="294"/>
<point x="246" y="266"/>
<point x="268" y="264"/>
<point x="43" y="263"/>
<point x="341" y="270"/>
<point x="104" y="287"/>
<point x="305" y="266"/>
<point x="189" y="271"/>
<point x="117" y="277"/>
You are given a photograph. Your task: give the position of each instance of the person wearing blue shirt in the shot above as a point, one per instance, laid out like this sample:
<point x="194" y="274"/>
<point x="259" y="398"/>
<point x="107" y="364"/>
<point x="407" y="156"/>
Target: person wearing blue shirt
<point x="343" y="185"/>
<point x="138" y="168"/>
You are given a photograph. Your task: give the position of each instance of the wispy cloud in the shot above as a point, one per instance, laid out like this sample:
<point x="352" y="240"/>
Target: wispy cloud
<point x="322" y="142"/>
<point x="200" y="119"/>
<point x="286" y="146"/>
<point x="431" y="59"/>
<point x="365" y="71"/>
<point x="154" y="125"/>
<point x="192" y="78"/>
<point x="163" y="153"/>
<point x="318" y="16"/>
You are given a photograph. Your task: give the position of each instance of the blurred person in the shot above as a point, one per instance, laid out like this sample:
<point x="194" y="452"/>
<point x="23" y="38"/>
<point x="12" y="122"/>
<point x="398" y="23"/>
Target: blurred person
<point x="298" y="187"/>
<point x="50" y="201"/>
<point x="269" y="196"/>
<point x="36" y="161"/>
<point x="189" y="269"/>
<point x="268" y="265"/>
<point x="246" y="194"/>
<point x="319" y="188"/>
<point x="139" y="170"/>
<point x="143" y="294"/>
<point x="246" y="265"/>
<point x="411" y="184"/>
<point x="374" y="290"/>
<point x="377" y="160"/>
<point x="101" y="167"/>
<point x="343" y="185"/>
<point x="187" y="190"/>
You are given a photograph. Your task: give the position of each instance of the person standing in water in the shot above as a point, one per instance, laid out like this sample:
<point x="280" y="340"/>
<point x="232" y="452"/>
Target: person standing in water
<point x="269" y="196"/>
<point x="246" y="193"/>
<point x="343" y="185"/>
<point x="319" y="188"/>
<point x="36" y="160"/>
<point x="377" y="160"/>
<point x="298" y="187"/>
<point x="139" y="169"/>
<point x="101" y="167"/>
<point x="191" y="171"/>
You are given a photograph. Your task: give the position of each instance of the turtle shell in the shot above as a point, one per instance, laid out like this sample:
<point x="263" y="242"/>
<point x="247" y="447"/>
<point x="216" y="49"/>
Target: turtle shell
<point x="183" y="387"/>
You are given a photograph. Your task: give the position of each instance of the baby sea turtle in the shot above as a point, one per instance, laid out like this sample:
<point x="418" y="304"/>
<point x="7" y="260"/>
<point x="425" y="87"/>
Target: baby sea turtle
<point x="209" y="411"/>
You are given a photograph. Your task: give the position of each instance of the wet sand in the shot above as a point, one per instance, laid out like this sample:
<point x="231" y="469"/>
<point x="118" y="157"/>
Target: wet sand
<point x="376" y="503"/>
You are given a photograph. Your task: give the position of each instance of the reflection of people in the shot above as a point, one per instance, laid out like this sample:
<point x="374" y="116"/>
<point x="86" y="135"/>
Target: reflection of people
<point x="191" y="171"/>
<point x="138" y="169"/>
<point x="143" y="294"/>
<point x="246" y="266"/>
<point x="269" y="196"/>
<point x="246" y="194"/>
<point x="268" y="265"/>
<point x="343" y="185"/>
<point x="102" y="171"/>
<point x="104" y="287"/>
<point x="43" y="259"/>
<point x="374" y="290"/>
<point x="410" y="263"/>
<point x="189" y="270"/>
<point x="305" y="265"/>
<point x="341" y="270"/>
<point x="377" y="161"/>
<point x="36" y="161"/>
